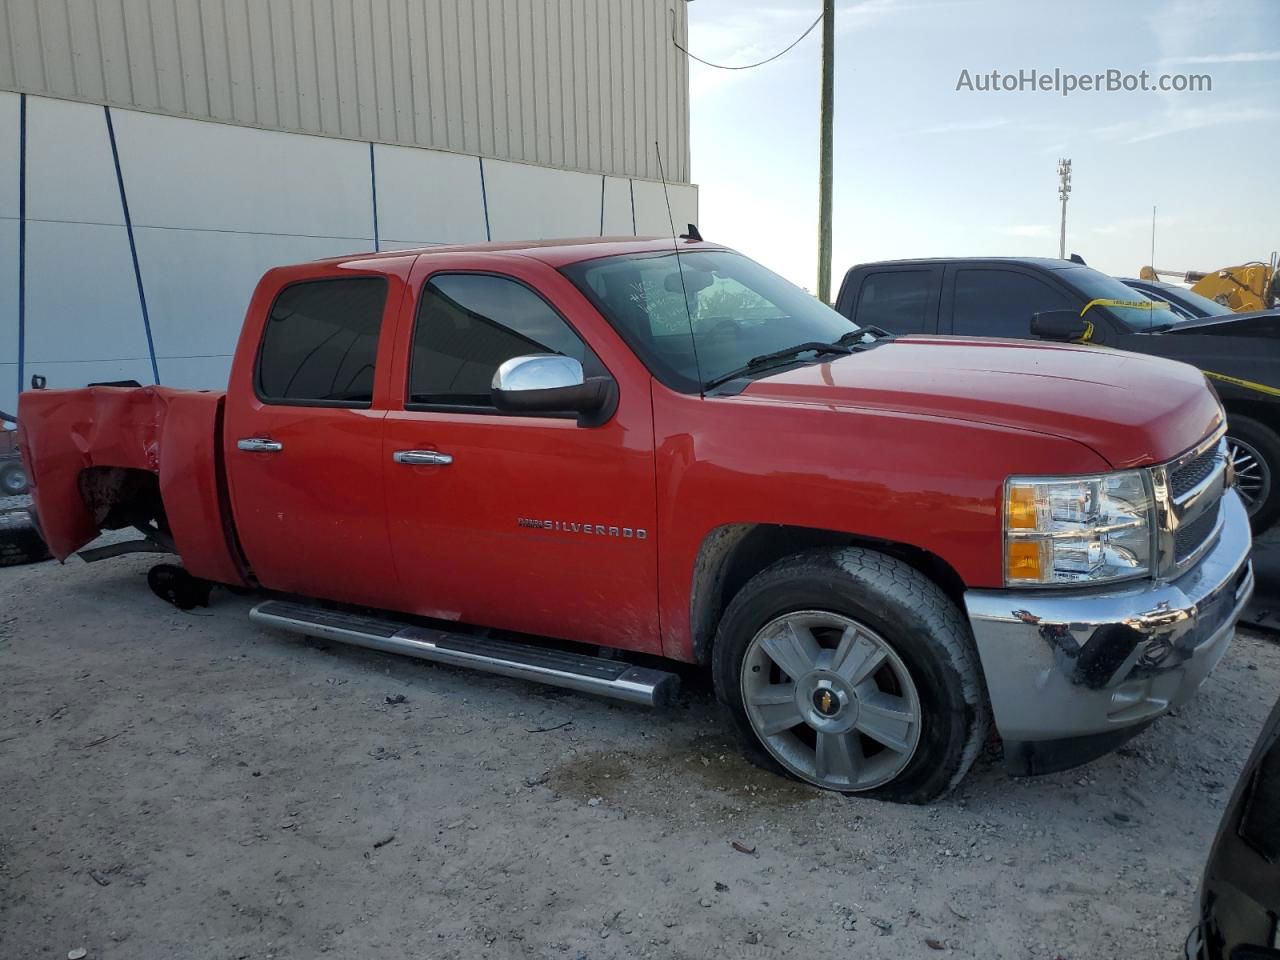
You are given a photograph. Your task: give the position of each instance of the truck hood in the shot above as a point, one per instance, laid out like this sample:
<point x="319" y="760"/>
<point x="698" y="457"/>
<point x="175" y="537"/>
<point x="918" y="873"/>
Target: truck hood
<point x="1255" y="323"/>
<point x="1130" y="409"/>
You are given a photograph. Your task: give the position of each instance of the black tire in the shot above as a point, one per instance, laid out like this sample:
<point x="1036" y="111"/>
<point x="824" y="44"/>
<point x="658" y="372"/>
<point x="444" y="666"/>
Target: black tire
<point x="1263" y="442"/>
<point x="13" y="478"/>
<point x="172" y="584"/>
<point x="19" y="540"/>
<point x="914" y="618"/>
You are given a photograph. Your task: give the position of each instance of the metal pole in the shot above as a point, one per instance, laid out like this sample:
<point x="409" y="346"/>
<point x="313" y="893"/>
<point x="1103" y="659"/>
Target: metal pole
<point x="1062" y="232"/>
<point x="1064" y="191"/>
<point x="1153" y="237"/>
<point x="824" y="160"/>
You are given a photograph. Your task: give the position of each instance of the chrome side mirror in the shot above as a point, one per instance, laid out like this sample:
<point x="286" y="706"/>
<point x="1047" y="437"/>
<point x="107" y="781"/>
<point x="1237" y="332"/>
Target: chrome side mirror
<point x="538" y="371"/>
<point x="550" y="383"/>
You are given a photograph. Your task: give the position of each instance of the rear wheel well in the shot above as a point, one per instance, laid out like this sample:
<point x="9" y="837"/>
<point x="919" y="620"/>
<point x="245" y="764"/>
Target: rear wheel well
<point x="124" y="497"/>
<point x="733" y="554"/>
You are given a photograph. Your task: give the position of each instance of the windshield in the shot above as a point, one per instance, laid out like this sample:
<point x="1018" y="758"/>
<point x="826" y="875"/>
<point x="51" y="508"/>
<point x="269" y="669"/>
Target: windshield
<point x="1196" y="304"/>
<point x="738" y="310"/>
<point x="1135" y="310"/>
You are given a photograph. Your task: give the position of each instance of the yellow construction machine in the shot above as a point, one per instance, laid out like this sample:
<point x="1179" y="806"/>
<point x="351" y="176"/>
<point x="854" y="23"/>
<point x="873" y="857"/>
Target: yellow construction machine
<point x="1248" y="287"/>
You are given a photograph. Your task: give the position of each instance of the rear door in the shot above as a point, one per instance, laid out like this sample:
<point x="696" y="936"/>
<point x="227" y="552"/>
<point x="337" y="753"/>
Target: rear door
<point x="303" y="435"/>
<point x="528" y="523"/>
<point x="901" y="299"/>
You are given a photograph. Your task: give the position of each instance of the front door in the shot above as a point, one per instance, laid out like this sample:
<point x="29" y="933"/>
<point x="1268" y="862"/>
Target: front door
<point x="303" y="443"/>
<point x="526" y="523"/>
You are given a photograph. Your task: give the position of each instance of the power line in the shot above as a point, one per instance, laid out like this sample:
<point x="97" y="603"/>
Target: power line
<point x="745" y="66"/>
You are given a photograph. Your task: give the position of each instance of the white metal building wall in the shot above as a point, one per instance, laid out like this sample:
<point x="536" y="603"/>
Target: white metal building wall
<point x="90" y="292"/>
<point x="580" y="84"/>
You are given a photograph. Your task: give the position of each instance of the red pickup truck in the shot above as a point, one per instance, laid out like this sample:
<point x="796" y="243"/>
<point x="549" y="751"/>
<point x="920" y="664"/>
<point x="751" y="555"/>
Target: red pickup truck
<point x="507" y="456"/>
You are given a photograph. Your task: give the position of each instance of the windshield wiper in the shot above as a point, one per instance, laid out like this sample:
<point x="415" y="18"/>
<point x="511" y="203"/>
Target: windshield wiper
<point x="815" y="347"/>
<point x="854" y="337"/>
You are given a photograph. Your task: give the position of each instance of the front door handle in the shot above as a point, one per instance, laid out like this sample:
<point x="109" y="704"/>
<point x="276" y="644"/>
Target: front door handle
<point x="422" y="458"/>
<point x="259" y="445"/>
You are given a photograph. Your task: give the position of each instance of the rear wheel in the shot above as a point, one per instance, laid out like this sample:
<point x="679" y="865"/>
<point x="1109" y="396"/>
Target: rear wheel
<point x="853" y="672"/>
<point x="1255" y="453"/>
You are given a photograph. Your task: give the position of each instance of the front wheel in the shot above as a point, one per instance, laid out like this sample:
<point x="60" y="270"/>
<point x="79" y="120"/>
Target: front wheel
<point x="1254" y="449"/>
<point x="852" y="671"/>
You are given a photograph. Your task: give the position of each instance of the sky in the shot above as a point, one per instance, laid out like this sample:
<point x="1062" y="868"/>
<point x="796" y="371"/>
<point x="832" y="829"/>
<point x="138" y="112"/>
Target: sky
<point x="924" y="169"/>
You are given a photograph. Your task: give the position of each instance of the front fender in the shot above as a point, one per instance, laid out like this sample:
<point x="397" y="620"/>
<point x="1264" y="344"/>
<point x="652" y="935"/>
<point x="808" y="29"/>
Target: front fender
<point x="927" y="483"/>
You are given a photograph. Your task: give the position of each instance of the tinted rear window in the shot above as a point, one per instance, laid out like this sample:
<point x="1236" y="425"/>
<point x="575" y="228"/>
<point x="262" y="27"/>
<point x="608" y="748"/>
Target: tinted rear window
<point x="320" y="342"/>
<point x="896" y="300"/>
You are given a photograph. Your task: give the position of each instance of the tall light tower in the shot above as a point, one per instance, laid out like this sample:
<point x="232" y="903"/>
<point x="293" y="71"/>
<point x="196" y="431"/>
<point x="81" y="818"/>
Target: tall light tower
<point x="1064" y="191"/>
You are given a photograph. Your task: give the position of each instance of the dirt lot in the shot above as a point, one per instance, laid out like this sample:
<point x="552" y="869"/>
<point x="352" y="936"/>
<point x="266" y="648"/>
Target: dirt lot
<point x="190" y="785"/>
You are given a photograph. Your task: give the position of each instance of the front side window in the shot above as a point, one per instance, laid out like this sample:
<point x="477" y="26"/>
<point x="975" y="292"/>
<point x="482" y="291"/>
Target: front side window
<point x="1000" y="303"/>
<point x="1134" y="310"/>
<point x="895" y="300"/>
<point x="707" y="314"/>
<point x="320" y="343"/>
<point x="468" y="324"/>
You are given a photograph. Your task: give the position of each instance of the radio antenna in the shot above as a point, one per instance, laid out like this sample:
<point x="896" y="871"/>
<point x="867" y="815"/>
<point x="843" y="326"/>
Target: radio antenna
<point x="675" y="247"/>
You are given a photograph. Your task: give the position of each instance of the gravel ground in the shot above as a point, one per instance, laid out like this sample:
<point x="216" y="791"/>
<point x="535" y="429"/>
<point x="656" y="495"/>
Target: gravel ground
<point x="7" y="503"/>
<point x="189" y="784"/>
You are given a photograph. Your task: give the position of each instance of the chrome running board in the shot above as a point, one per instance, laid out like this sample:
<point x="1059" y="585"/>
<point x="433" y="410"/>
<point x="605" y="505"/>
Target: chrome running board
<point x="608" y="678"/>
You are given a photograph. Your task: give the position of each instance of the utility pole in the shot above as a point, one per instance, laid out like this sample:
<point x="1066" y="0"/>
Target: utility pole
<point x="1153" y="237"/>
<point x="1064" y="191"/>
<point x="824" y="159"/>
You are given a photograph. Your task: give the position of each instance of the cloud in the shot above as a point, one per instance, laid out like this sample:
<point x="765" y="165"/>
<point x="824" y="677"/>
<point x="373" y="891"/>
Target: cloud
<point x="1138" y="225"/>
<point x="863" y="13"/>
<point x="1251" y="56"/>
<point x="742" y="36"/>
<point x="1179" y="25"/>
<point x="1183" y="120"/>
<point x="1127" y="225"/>
<point x="1027" y="230"/>
<point x="748" y="34"/>
<point x="963" y="126"/>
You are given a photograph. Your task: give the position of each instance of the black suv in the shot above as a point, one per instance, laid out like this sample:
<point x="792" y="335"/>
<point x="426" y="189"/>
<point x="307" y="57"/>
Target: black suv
<point x="1029" y="297"/>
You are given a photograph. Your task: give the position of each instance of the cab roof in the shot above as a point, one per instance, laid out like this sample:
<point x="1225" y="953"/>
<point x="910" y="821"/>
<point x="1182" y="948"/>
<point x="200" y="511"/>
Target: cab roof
<point x="556" y="253"/>
<point x="1045" y="263"/>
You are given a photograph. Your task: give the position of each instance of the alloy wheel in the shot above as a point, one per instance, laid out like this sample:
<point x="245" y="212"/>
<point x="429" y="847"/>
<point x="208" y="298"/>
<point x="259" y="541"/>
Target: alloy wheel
<point x="1253" y="476"/>
<point x="831" y="700"/>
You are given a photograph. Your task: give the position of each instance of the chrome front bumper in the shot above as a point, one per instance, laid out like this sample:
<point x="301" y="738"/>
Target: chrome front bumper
<point x="1067" y="663"/>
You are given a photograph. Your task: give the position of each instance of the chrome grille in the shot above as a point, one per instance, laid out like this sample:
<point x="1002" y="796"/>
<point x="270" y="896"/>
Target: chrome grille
<point x="1188" y="493"/>
<point x="1188" y="538"/>
<point x="1190" y="475"/>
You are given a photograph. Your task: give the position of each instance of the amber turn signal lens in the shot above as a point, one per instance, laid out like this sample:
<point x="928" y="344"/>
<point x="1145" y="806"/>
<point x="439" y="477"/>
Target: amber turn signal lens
<point x="1021" y="513"/>
<point x="1023" y="560"/>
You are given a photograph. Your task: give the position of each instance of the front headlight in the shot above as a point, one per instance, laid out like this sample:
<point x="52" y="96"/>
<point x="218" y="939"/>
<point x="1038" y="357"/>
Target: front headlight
<point x="1077" y="529"/>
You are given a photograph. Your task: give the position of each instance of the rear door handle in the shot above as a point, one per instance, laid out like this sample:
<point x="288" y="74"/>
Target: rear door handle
<point x="259" y="445"/>
<point x="422" y="458"/>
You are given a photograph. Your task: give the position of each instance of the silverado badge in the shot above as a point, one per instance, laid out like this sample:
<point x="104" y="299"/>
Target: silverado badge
<point x="593" y="529"/>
